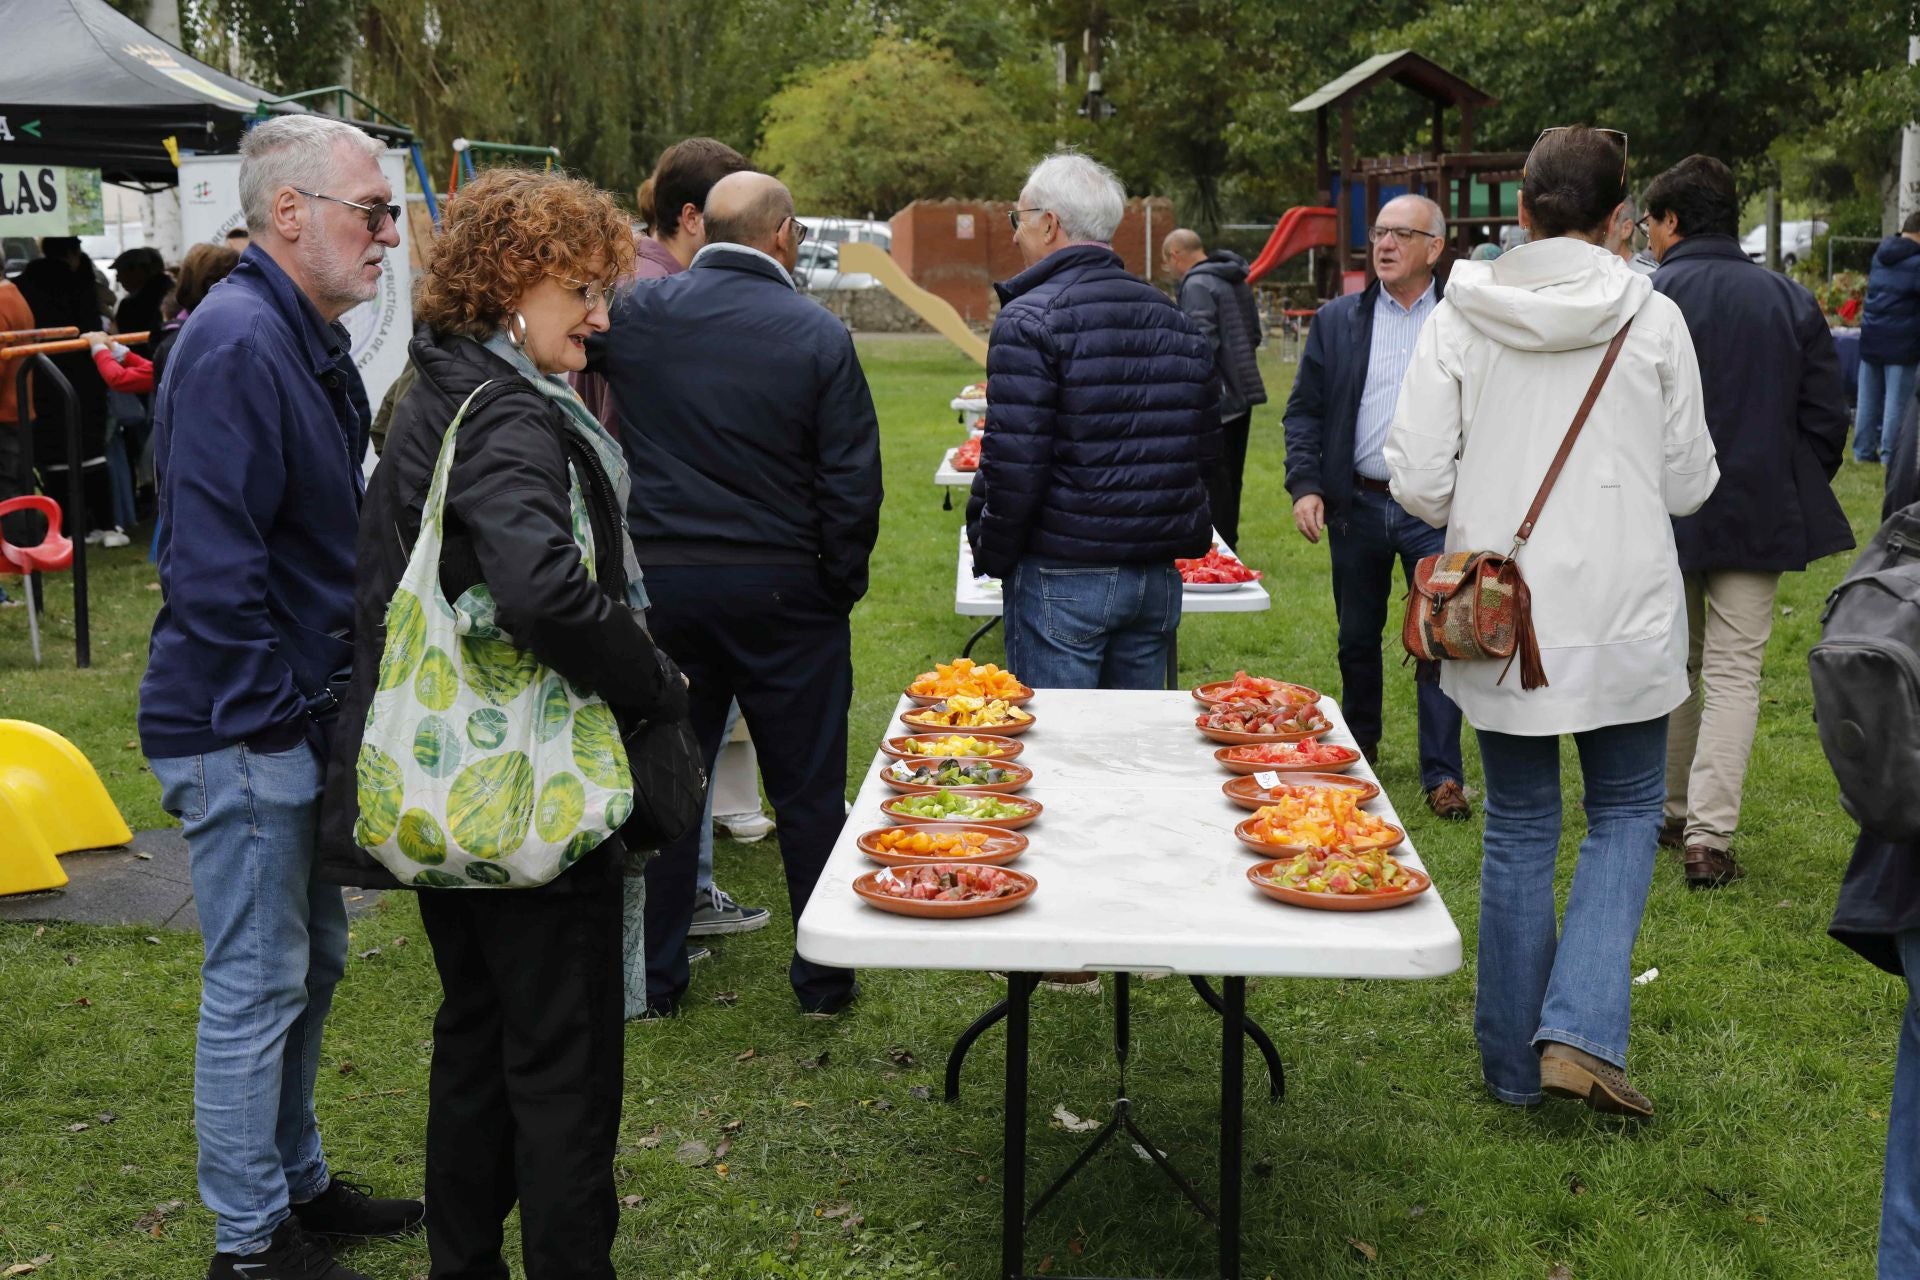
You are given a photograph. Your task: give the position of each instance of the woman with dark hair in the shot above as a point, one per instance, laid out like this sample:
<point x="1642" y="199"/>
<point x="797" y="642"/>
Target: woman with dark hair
<point x="524" y="1096"/>
<point x="1495" y="381"/>
<point x="205" y="266"/>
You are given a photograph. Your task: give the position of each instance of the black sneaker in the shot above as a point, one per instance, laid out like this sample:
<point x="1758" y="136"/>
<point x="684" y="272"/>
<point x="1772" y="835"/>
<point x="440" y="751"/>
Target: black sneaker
<point x="292" y="1254"/>
<point x="348" y="1209"/>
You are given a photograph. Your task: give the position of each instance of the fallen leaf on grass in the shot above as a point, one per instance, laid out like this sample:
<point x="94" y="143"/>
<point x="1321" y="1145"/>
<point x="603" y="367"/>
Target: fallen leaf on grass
<point x="346" y="1068"/>
<point x="144" y="857"/>
<point x="28" y="1268"/>
<point x="40" y="931"/>
<point x="152" y="941"/>
<point x="920" y="1093"/>
<point x="79" y="1126"/>
<point x="814" y="1064"/>
<point x="369" y="953"/>
<point x="719" y="1170"/>
<point x="693" y="1153"/>
<point x="744" y="1055"/>
<point x="650" y="1141"/>
<point x="632" y="1202"/>
<point x="1263" y="1167"/>
<point x="901" y="1057"/>
<point x="1071" y="1122"/>
<point x="840" y="1210"/>
<point x="720" y="1152"/>
<point x="726" y="998"/>
<point x="1575" y="1187"/>
<point x="1046" y="1265"/>
<point x="84" y="1003"/>
<point x="153" y="1219"/>
<point x="1560" y="1272"/>
<point x="1757" y="1219"/>
<point x="980" y="1178"/>
<point x="105" y="1117"/>
<point x="71" y="960"/>
<point x="1076" y="1246"/>
<point x="1365" y="1250"/>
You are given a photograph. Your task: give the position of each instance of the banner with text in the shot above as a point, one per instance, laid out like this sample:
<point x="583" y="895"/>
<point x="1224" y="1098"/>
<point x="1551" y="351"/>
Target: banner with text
<point x="47" y="200"/>
<point x="210" y="207"/>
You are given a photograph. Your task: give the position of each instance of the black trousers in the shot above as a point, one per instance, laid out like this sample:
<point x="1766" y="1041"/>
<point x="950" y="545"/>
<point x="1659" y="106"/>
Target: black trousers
<point x="528" y="1053"/>
<point x="1225" y="476"/>
<point x="771" y="637"/>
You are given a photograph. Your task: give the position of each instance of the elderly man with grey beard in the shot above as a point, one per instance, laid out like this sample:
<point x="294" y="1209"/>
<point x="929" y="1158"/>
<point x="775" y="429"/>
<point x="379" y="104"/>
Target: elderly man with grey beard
<point x="259" y="429"/>
<point x="1343" y="400"/>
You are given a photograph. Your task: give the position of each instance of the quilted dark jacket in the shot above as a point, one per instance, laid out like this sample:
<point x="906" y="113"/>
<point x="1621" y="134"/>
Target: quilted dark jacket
<point x="1216" y="297"/>
<point x="1890" y="320"/>
<point x="1102" y="416"/>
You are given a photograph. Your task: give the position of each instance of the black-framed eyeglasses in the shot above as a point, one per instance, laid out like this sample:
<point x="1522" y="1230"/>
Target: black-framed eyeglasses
<point x="1641" y="223"/>
<point x="800" y="231"/>
<point x="592" y="295"/>
<point x="1013" y="217"/>
<point x="1404" y="235"/>
<point x="1561" y="128"/>
<point x="378" y="215"/>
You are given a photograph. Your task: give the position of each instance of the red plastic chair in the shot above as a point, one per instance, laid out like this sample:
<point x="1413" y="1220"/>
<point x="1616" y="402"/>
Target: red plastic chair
<point x="52" y="554"/>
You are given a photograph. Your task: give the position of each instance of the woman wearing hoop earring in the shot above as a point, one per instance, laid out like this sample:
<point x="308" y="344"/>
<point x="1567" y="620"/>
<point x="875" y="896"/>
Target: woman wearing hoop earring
<point x="524" y="1099"/>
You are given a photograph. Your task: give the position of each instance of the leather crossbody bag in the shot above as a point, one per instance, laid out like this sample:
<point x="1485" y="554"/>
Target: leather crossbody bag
<point x="1468" y="605"/>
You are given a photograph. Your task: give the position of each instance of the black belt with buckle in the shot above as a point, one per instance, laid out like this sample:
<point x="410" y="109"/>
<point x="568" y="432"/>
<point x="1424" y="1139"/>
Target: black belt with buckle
<point x="1369" y="483"/>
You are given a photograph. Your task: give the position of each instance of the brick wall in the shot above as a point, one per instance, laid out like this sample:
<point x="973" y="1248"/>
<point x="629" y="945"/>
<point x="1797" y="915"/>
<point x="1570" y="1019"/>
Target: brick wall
<point x="932" y="244"/>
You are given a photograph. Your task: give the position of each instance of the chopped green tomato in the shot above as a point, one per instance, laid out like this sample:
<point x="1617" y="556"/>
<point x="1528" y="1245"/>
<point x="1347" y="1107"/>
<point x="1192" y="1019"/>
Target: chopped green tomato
<point x="945" y="805"/>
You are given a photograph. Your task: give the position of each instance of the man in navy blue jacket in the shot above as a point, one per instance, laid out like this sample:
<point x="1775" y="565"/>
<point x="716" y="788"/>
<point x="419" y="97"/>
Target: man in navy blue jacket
<point x="1889" y="345"/>
<point x="1337" y="417"/>
<point x="1777" y="410"/>
<point x="1103" y="416"/>
<point x="259" y="430"/>
<point x="756" y="503"/>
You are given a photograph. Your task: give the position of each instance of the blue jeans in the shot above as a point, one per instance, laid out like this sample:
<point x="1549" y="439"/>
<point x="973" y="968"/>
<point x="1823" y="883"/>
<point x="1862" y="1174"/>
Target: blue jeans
<point x="1082" y="626"/>
<point x="1571" y="985"/>
<point x="276" y="944"/>
<point x="1363" y="544"/>
<point x="704" y="883"/>
<point x="1900" y="1201"/>
<point x="1885" y="398"/>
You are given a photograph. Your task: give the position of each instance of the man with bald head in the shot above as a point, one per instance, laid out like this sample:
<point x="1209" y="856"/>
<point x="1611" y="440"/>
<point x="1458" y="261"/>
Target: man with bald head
<point x="756" y="503"/>
<point x="1214" y="293"/>
<point x="1337" y="417"/>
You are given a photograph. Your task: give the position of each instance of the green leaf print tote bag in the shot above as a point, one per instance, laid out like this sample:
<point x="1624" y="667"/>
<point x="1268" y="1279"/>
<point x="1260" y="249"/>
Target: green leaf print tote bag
<point x="481" y="767"/>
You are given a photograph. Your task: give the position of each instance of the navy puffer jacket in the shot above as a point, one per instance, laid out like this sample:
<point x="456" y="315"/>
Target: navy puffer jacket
<point x="1890" y="321"/>
<point x="1102" y="416"/>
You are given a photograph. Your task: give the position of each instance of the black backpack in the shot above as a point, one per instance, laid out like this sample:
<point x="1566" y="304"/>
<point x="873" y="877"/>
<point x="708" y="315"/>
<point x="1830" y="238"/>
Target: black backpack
<point x="1866" y="681"/>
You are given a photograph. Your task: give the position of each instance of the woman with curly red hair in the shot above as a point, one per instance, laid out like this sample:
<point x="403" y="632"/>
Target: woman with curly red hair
<point x="524" y="1098"/>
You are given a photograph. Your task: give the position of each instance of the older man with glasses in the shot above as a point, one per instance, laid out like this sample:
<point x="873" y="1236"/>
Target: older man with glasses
<point x="260" y="492"/>
<point x="1343" y="400"/>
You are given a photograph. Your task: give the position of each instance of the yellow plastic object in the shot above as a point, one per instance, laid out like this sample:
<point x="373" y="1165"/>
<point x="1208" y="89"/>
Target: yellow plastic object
<point x="51" y="802"/>
<point x="935" y="310"/>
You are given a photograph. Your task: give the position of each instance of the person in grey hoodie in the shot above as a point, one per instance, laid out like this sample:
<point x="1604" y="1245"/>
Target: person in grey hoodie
<point x="1215" y="295"/>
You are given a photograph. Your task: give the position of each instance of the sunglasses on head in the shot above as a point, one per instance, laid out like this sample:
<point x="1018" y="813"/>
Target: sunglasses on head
<point x="1561" y="128"/>
<point x="378" y="215"/>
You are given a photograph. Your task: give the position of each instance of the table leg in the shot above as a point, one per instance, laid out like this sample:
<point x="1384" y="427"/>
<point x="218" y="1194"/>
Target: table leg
<point x="1013" y="1192"/>
<point x="966" y="650"/>
<point x="1173" y="659"/>
<point x="958" y="1057"/>
<point x="947" y="503"/>
<point x="1276" y="1074"/>
<point x="1232" y="1119"/>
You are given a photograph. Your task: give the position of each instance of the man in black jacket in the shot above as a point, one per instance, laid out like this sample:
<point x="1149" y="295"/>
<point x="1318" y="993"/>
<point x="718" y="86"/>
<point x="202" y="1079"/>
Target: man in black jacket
<point x="1777" y="410"/>
<point x="1215" y="295"/>
<point x="756" y="482"/>
<point x="1102" y="419"/>
<point x="1343" y="400"/>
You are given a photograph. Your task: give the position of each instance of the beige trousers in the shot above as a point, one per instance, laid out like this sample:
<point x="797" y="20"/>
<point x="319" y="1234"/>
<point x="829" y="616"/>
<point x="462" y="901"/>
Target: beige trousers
<point x="1710" y="735"/>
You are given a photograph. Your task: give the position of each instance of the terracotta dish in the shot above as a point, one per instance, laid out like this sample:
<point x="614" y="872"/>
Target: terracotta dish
<point x="1244" y="831"/>
<point x="1260" y="873"/>
<point x="1034" y="810"/>
<point x="1249" y="794"/>
<point x="867" y="887"/>
<point x="1227" y="761"/>
<point x="1021" y="776"/>
<point x="1001" y="846"/>
<point x="894" y="747"/>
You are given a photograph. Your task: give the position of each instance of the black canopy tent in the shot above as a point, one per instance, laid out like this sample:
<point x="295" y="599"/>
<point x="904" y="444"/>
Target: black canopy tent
<point x="84" y="86"/>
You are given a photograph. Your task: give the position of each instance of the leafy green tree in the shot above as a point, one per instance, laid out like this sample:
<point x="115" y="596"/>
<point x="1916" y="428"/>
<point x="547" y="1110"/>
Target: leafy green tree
<point x="873" y="134"/>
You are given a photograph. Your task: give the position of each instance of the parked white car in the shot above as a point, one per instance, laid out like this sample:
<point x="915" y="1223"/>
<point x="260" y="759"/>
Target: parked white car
<point x="819" y="268"/>
<point x="1796" y="242"/>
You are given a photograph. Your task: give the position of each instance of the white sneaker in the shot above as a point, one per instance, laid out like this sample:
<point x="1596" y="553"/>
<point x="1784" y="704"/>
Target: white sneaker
<point x="744" y="827"/>
<point x="96" y="537"/>
<point x="115" y="537"/>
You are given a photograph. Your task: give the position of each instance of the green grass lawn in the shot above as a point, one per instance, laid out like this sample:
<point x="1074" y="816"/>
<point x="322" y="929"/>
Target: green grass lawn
<point x="1766" y="1047"/>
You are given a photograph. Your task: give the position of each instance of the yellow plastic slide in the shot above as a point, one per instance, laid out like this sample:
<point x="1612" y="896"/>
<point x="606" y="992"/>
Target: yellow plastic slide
<point x="931" y="307"/>
<point x="51" y="802"/>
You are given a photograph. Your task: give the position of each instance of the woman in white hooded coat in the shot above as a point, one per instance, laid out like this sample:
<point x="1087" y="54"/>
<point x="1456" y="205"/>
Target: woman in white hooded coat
<point x="1494" y="382"/>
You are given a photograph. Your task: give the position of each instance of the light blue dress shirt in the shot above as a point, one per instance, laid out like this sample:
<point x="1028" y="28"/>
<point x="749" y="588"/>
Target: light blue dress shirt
<point x="1395" y="328"/>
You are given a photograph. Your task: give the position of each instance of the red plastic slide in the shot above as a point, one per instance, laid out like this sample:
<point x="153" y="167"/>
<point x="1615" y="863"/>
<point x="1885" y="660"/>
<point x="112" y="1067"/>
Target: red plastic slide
<point x="1299" y="229"/>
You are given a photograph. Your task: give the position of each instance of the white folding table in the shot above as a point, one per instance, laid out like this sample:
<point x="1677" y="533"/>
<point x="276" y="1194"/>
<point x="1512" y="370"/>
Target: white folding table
<point x="975" y="597"/>
<point x="1138" y="871"/>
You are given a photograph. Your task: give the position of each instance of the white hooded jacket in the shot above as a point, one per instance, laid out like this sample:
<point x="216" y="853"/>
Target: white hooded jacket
<point x="1496" y="377"/>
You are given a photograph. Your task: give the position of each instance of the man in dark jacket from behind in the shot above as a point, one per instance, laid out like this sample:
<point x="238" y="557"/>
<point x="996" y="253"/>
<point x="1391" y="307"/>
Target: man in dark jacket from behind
<point x="1777" y="410"/>
<point x="1215" y="295"/>
<point x="756" y="486"/>
<point x="1889" y="344"/>
<point x="1102" y="420"/>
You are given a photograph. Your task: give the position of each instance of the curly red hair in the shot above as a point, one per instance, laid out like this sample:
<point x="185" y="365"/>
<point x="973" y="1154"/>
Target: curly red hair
<point x="504" y="233"/>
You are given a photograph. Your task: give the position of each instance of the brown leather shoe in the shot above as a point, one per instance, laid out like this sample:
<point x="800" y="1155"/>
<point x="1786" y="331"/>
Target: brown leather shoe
<point x="1567" y="1072"/>
<point x="1673" y="834"/>
<point x="1710" y="868"/>
<point x="1449" y="801"/>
